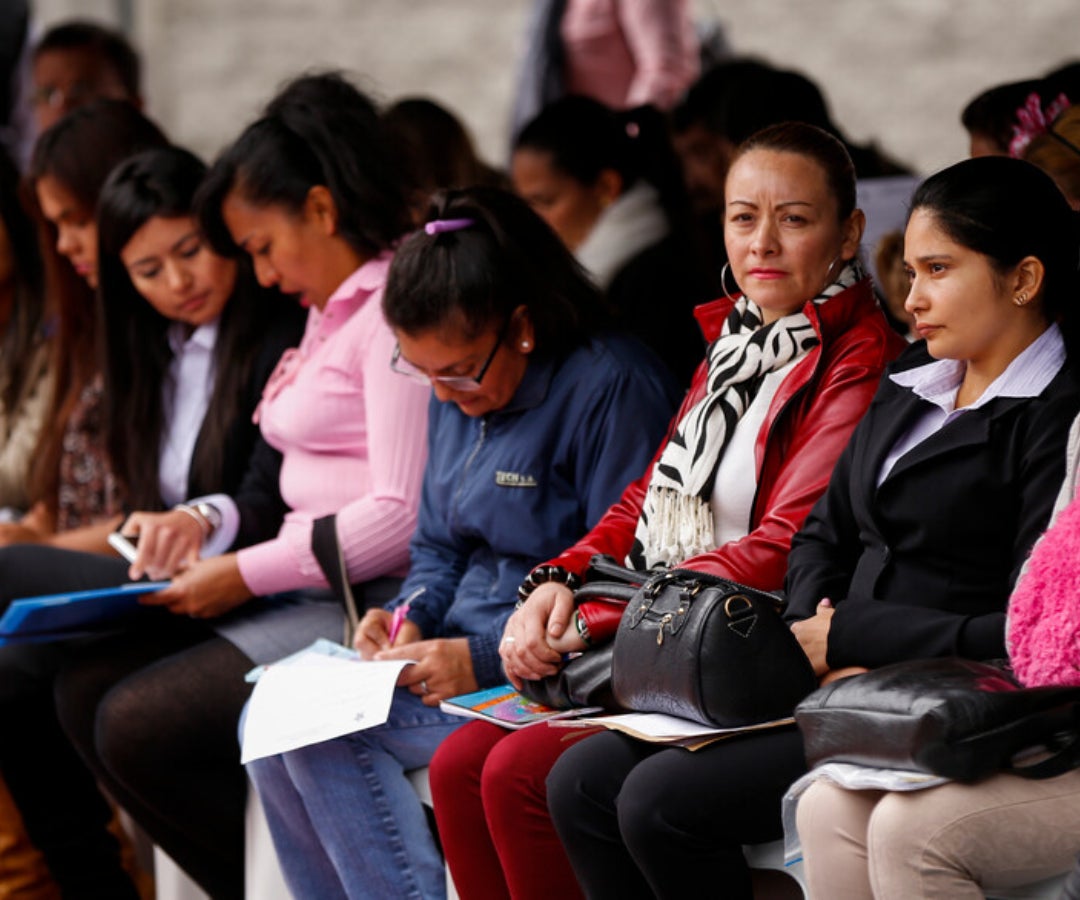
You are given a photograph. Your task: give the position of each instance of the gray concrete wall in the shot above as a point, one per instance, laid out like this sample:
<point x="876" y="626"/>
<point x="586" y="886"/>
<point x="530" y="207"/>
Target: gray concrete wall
<point x="897" y="71"/>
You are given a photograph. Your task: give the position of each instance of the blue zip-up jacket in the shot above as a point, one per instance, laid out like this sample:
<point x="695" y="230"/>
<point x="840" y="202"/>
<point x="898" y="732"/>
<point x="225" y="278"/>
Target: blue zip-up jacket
<point x="503" y="492"/>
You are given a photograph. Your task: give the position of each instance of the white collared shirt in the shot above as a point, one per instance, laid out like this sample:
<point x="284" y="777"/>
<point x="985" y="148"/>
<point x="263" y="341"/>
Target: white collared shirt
<point x="189" y="383"/>
<point x="938" y="383"/>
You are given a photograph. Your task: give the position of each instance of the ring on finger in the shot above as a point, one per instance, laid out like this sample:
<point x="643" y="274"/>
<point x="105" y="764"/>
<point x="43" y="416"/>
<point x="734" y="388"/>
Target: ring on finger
<point x="424" y="687"/>
<point x="509" y="639"/>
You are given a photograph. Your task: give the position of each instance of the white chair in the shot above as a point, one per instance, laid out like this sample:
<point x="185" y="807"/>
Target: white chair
<point x="771" y="856"/>
<point x="262" y="872"/>
<point x="171" y="882"/>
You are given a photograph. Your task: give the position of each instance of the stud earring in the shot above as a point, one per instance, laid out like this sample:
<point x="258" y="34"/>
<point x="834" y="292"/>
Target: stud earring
<point x="525" y="345"/>
<point x="1020" y="299"/>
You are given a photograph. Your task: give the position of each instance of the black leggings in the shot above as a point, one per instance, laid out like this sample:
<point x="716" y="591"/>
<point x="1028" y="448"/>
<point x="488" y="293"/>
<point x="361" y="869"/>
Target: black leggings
<point x="638" y="820"/>
<point x="151" y="714"/>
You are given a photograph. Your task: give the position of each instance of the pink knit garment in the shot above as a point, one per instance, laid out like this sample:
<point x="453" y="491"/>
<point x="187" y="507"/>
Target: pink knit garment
<point x="1044" y="610"/>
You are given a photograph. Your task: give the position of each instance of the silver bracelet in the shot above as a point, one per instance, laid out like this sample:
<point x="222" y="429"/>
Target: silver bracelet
<point x="204" y="524"/>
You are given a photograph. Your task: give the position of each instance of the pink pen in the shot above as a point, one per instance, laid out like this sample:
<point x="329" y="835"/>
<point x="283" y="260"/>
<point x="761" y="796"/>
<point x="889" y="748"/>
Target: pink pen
<point x="397" y="617"/>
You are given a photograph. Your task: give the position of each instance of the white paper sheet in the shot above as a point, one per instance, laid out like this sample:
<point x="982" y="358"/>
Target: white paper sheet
<point x="314" y="696"/>
<point x="662" y="728"/>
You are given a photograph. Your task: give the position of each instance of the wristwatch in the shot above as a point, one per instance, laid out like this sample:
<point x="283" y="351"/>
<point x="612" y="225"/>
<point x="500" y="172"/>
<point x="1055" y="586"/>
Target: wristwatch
<point x="209" y="512"/>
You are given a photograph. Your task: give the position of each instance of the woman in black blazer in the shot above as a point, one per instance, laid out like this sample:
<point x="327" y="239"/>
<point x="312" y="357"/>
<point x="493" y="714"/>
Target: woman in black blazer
<point x="952" y="475"/>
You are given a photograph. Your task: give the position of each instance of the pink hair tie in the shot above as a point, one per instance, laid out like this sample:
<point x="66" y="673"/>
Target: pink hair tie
<point x="441" y="226"/>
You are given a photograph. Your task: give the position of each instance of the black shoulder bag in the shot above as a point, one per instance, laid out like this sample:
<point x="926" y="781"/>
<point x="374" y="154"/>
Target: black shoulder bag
<point x="951" y="717"/>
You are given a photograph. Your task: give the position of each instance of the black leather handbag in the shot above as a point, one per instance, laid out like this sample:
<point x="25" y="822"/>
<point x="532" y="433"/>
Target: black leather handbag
<point x="951" y="717"/>
<point x="708" y="649"/>
<point x="688" y="644"/>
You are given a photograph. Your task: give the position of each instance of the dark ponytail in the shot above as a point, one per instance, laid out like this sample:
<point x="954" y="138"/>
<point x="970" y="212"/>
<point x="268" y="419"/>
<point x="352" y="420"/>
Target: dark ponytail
<point x="473" y="278"/>
<point x="319" y="130"/>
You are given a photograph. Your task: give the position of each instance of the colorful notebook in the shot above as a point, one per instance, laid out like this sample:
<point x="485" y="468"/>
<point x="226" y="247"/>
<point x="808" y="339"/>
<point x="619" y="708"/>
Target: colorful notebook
<point x="506" y="707"/>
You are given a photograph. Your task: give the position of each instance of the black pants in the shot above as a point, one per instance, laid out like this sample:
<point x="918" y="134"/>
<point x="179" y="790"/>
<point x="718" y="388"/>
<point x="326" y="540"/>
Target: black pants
<point x="151" y="714"/>
<point x="638" y="820"/>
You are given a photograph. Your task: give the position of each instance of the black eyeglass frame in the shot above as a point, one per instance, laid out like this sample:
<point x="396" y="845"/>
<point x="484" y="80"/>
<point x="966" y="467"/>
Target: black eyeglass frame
<point x="464" y="383"/>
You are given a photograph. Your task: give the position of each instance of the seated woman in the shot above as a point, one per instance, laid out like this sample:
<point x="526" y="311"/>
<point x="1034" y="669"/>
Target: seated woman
<point x="189" y="340"/>
<point x="26" y="373"/>
<point x="156" y="721"/>
<point x="528" y="447"/>
<point x="608" y="184"/>
<point x="75" y="497"/>
<point x="791" y="368"/>
<point x="933" y="509"/>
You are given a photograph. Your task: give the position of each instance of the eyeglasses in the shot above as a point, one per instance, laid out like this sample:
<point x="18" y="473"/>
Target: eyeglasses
<point x="464" y="383"/>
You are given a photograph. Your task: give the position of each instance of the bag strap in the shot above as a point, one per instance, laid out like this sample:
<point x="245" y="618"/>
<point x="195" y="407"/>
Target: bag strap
<point x="1064" y="757"/>
<point x="327" y="550"/>
<point x="605" y="590"/>
<point x="605" y="567"/>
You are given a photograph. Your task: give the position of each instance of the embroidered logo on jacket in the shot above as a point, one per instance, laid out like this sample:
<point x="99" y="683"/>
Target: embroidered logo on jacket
<point x="514" y="479"/>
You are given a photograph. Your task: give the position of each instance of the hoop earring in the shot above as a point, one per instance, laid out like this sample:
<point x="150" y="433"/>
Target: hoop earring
<point x="723" y="278"/>
<point x="1020" y="299"/>
<point x="829" y="272"/>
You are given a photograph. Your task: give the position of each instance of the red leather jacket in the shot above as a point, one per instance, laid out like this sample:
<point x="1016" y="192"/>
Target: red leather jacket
<point x="807" y="426"/>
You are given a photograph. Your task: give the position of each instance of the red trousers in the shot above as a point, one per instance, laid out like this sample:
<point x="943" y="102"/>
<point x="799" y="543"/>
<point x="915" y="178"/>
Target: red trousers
<point x="488" y="784"/>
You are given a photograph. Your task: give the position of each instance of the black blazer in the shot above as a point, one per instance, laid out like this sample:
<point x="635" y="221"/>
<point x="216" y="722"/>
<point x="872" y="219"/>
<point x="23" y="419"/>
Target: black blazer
<point x="251" y="468"/>
<point x="923" y="565"/>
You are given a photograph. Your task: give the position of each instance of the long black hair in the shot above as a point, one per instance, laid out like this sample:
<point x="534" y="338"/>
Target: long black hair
<point x="319" y="130"/>
<point x="135" y="347"/>
<point x="473" y="278"/>
<point x="23" y="333"/>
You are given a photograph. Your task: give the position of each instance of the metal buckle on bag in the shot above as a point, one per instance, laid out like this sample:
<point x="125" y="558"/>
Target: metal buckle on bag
<point x="741" y="618"/>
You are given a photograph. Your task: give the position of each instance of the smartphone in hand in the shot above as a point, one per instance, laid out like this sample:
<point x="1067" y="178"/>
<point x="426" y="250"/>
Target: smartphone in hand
<point x="123" y="545"/>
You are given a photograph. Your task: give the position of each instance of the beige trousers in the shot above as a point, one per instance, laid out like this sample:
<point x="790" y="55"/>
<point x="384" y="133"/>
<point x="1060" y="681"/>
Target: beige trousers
<point x="951" y="842"/>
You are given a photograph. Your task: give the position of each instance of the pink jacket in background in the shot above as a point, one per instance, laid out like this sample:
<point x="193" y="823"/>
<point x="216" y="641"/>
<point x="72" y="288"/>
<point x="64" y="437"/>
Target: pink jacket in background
<point x="628" y="53"/>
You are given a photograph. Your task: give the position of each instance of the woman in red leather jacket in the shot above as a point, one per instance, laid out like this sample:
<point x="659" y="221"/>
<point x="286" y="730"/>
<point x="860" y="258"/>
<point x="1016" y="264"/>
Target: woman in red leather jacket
<point x="791" y="367"/>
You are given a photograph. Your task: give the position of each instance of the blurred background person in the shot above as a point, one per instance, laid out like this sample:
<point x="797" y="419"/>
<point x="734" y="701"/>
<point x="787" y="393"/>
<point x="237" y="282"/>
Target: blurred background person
<point x="78" y="61"/>
<point x="608" y="185"/>
<point x="438" y="150"/>
<point x="624" y="53"/>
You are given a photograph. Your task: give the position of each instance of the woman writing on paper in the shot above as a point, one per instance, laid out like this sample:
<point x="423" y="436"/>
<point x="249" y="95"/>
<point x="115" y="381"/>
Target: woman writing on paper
<point x="945" y="486"/>
<point x="527" y="447"/>
<point x="791" y="367"/>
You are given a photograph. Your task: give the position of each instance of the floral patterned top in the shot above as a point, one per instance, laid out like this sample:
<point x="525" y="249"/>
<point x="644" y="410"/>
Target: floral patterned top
<point x="88" y="490"/>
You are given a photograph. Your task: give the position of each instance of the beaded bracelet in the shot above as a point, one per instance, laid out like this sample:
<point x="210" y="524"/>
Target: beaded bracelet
<point x="543" y="574"/>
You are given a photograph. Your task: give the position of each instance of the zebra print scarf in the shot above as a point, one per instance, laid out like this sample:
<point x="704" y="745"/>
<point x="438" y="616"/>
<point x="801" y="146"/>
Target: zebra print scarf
<point x="676" y="522"/>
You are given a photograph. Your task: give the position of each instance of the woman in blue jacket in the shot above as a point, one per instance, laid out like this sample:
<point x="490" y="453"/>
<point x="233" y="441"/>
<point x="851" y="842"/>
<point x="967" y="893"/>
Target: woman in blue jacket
<point x="537" y="422"/>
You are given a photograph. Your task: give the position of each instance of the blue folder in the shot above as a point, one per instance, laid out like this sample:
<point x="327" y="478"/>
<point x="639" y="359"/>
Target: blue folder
<point x="57" y="616"/>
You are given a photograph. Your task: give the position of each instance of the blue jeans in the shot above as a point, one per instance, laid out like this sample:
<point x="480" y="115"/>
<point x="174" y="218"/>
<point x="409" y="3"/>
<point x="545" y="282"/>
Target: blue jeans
<point x="346" y="821"/>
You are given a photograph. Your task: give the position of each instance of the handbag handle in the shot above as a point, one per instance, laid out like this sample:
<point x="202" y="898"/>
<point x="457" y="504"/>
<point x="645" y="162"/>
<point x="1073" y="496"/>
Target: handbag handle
<point x="605" y="590"/>
<point x="327" y="552"/>
<point x="1065" y="755"/>
<point x="603" y="566"/>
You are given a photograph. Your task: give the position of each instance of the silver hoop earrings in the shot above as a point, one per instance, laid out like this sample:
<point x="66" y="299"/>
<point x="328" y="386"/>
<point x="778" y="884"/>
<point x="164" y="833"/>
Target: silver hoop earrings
<point x="829" y="273"/>
<point x="723" y="279"/>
